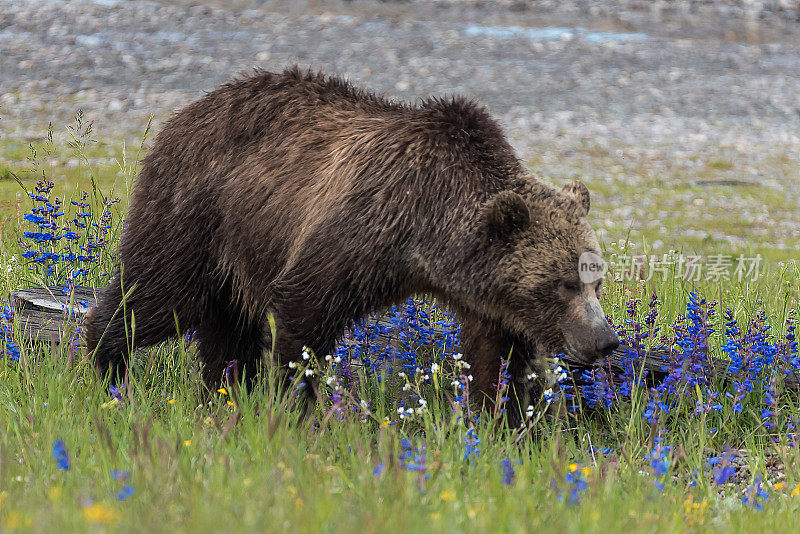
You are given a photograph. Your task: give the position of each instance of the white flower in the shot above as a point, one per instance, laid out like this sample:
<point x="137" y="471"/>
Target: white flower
<point x="401" y="374"/>
<point x="400" y="410"/>
<point x="306" y="355"/>
<point x="457" y="356"/>
<point x="337" y="359"/>
<point x="421" y="410"/>
<point x="423" y="402"/>
<point x="456" y="384"/>
<point x="532" y="376"/>
<point x="469" y="378"/>
<point x="364" y="406"/>
<point x="328" y="358"/>
<point x="434" y="367"/>
<point x="426" y="377"/>
<point x="292" y="365"/>
<point x="329" y="380"/>
<point x="407" y="386"/>
<point x="309" y="372"/>
<point x="529" y="411"/>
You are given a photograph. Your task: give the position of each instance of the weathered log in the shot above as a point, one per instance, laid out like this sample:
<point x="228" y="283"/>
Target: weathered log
<point x="47" y="313"/>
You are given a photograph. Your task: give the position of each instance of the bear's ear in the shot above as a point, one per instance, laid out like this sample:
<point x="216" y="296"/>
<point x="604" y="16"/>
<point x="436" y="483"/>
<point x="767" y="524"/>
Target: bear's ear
<point x="508" y="213"/>
<point x="578" y="190"/>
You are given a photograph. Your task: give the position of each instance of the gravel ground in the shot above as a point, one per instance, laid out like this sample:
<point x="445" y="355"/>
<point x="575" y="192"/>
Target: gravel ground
<point x="581" y="87"/>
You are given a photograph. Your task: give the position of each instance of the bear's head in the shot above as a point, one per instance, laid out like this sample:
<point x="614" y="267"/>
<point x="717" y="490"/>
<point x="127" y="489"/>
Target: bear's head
<point x="537" y="269"/>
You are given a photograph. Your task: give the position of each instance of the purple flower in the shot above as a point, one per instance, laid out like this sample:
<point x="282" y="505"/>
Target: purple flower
<point x="508" y="472"/>
<point x="60" y="455"/>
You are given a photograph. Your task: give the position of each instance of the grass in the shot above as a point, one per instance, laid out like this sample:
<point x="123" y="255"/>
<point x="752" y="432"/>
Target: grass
<point x="238" y="461"/>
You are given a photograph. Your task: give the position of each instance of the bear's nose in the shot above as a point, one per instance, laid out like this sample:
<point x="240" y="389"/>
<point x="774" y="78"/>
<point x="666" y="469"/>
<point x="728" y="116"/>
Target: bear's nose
<point x="607" y="344"/>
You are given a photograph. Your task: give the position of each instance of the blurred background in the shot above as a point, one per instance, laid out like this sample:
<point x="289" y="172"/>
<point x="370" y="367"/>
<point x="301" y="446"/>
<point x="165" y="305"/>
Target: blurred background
<point x="683" y="117"/>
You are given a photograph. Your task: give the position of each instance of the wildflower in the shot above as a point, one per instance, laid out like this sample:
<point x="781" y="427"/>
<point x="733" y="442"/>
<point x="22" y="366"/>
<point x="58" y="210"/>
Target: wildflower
<point x="694" y="512"/>
<point x="508" y="472"/>
<point x="755" y="496"/>
<point x="378" y="470"/>
<point x="292" y="365"/>
<point x="412" y="458"/>
<point x="660" y="462"/>
<point x="447" y="496"/>
<point x="223" y="391"/>
<point x="122" y="476"/>
<point x="471" y="442"/>
<point x="796" y="491"/>
<point x="172" y="401"/>
<point x="115" y="392"/>
<point x="125" y="492"/>
<point x="187" y="443"/>
<point x="722" y="468"/>
<point x="309" y="372"/>
<point x="576" y="485"/>
<point x="100" y="513"/>
<point x="60" y="455"/>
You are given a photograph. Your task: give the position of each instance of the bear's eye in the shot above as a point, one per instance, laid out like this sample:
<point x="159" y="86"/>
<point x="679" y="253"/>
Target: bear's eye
<point x="571" y="286"/>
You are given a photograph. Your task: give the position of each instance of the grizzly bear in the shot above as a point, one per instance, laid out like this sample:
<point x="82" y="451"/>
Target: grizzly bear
<point x="300" y="195"/>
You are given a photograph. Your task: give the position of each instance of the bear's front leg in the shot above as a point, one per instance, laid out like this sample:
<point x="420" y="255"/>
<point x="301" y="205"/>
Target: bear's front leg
<point x="484" y="343"/>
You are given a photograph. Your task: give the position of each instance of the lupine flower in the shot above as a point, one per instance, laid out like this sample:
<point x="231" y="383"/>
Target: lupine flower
<point x="576" y="484"/>
<point x="412" y="458"/>
<point x="60" y="455"/>
<point x="508" y="472"/>
<point x="722" y="470"/>
<point x="755" y="496"/>
<point x="471" y="442"/>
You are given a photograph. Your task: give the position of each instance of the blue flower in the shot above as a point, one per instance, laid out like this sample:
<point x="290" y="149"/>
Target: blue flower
<point x="60" y="455"/>
<point x="508" y="472"/>
<point x="378" y="469"/>
<point x="125" y="492"/>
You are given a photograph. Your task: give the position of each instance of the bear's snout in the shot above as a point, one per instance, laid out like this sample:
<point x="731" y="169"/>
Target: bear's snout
<point x="607" y="344"/>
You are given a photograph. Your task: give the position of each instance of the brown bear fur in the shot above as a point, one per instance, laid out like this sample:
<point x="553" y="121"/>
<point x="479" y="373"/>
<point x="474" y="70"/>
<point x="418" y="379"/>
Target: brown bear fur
<point x="300" y="195"/>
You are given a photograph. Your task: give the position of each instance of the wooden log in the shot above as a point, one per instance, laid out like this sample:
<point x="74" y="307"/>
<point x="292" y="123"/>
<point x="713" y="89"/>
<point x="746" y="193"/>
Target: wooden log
<point x="48" y="313"/>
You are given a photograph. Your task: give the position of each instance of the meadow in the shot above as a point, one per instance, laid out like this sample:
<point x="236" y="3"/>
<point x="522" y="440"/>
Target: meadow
<point x="394" y="444"/>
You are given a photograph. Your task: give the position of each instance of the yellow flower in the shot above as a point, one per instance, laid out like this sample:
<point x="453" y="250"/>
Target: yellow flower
<point x="447" y="496"/>
<point x="695" y="512"/>
<point x="385" y="423"/>
<point x="780" y="485"/>
<point x="54" y="493"/>
<point x="795" y="491"/>
<point x="187" y="443"/>
<point x="101" y="513"/>
<point x="12" y="521"/>
<point x="472" y="513"/>
<point x="223" y="391"/>
<point x="172" y="401"/>
<point x="586" y="471"/>
<point x="573" y="467"/>
<point x="109" y="404"/>
<point x="231" y="404"/>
